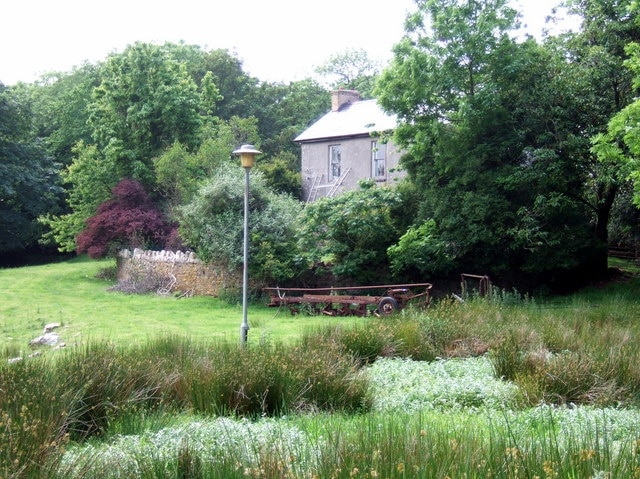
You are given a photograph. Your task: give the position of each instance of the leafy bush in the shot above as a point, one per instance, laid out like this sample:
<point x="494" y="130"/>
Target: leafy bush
<point x="213" y="225"/>
<point x="353" y="231"/>
<point x="282" y="174"/>
<point x="419" y="253"/>
<point x="129" y="220"/>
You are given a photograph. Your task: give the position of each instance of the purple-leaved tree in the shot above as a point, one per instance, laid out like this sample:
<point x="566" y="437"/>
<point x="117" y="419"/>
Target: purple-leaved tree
<point x="128" y="220"/>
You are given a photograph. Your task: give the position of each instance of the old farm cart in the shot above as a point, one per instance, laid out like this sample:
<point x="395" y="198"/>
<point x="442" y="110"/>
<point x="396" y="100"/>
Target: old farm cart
<point x="351" y="300"/>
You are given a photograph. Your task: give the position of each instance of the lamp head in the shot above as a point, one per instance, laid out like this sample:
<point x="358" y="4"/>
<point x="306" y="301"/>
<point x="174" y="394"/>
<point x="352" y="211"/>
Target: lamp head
<point x="247" y="154"/>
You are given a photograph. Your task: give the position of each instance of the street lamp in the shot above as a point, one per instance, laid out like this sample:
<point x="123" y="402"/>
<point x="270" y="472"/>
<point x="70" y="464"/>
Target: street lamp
<point x="247" y="160"/>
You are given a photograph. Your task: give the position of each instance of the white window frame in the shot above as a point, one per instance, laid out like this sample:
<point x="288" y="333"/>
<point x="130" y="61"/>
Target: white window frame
<point x="378" y="160"/>
<point x="335" y="162"/>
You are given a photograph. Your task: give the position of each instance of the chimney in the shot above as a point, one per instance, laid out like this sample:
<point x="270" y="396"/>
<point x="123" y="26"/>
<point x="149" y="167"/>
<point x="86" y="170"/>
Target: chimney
<point x="340" y="98"/>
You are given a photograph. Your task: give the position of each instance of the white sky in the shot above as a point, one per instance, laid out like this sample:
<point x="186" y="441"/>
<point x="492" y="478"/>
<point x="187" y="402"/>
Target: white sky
<point x="277" y="40"/>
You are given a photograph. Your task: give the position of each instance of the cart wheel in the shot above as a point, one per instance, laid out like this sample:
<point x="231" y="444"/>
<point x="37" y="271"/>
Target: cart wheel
<point x="387" y="306"/>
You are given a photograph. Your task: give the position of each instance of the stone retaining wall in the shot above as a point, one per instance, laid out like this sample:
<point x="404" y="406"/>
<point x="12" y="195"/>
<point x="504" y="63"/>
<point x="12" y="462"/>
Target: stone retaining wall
<point x="180" y="271"/>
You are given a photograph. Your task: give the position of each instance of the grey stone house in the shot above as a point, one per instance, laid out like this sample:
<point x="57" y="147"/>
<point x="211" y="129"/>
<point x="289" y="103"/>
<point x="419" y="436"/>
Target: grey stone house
<point x="344" y="147"/>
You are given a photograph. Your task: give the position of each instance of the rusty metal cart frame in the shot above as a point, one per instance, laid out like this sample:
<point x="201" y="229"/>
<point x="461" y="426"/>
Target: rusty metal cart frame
<point x="350" y="300"/>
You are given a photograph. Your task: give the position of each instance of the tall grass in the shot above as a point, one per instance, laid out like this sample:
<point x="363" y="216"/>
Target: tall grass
<point x="476" y="446"/>
<point x="80" y="393"/>
<point x="541" y="442"/>
<point x="111" y="405"/>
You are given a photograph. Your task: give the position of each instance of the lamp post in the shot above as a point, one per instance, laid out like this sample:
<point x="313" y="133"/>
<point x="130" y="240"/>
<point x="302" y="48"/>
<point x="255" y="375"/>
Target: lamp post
<point x="247" y="155"/>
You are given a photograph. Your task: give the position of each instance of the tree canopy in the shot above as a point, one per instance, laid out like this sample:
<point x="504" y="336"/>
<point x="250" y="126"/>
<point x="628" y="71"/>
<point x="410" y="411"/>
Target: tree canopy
<point x="351" y="70"/>
<point x="29" y="185"/>
<point x="520" y="153"/>
<point x="497" y="139"/>
<point x="167" y="116"/>
<point x="619" y="146"/>
<point x="128" y="220"/>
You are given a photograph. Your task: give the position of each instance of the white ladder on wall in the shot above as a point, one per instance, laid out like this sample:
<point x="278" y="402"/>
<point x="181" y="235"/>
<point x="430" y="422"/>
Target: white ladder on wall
<point x="313" y="190"/>
<point x="338" y="182"/>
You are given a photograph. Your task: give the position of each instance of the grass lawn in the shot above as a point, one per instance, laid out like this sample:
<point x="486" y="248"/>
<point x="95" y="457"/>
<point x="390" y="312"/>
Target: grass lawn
<point x="69" y="293"/>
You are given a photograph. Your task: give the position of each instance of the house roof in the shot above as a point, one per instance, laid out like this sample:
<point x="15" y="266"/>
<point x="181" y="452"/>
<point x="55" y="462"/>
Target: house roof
<point x="353" y="119"/>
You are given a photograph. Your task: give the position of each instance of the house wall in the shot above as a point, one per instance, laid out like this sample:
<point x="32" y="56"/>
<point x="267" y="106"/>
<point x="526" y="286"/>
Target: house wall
<point x="356" y="155"/>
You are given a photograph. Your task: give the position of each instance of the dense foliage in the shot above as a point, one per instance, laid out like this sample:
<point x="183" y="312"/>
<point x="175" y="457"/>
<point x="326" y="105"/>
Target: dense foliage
<point x="619" y="146"/>
<point x="28" y="183"/>
<point x="213" y="225"/>
<point x="520" y="152"/>
<point x="129" y="220"/>
<point x="145" y="102"/>
<point x="351" y="233"/>
<point x="351" y="70"/>
<point x="497" y="132"/>
<point x="164" y="115"/>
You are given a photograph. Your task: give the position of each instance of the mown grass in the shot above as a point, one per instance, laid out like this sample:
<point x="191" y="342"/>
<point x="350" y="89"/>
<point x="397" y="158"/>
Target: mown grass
<point x="179" y="405"/>
<point x="70" y="293"/>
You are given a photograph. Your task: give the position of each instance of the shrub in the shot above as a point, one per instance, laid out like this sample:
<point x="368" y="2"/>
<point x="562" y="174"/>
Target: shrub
<point x="129" y="220"/>
<point x="420" y="253"/>
<point x="213" y="224"/>
<point x="353" y="231"/>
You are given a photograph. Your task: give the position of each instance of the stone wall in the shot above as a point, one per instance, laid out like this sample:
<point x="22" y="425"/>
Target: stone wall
<point x="180" y="271"/>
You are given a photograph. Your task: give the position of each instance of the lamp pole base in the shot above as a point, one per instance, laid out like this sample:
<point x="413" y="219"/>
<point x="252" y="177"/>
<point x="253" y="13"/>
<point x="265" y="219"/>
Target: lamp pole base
<point x="244" y="333"/>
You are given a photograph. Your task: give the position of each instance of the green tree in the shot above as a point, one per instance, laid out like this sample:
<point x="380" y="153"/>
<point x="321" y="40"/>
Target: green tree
<point x="351" y="70"/>
<point x="212" y="223"/>
<point x="605" y="87"/>
<point x="493" y="142"/>
<point x="180" y="173"/>
<point x="88" y="182"/>
<point x="284" y="110"/>
<point x="220" y="141"/>
<point x="352" y="232"/>
<point x="174" y="171"/>
<point x="237" y="89"/>
<point x="60" y="105"/>
<point x="28" y="181"/>
<point x="282" y="173"/>
<point x="59" y="119"/>
<point x="146" y="101"/>
<point x="618" y="147"/>
<point x="419" y="253"/>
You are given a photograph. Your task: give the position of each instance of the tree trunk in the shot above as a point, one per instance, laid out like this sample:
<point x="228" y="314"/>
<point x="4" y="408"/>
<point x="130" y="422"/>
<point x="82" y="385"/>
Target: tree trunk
<point x="605" y="197"/>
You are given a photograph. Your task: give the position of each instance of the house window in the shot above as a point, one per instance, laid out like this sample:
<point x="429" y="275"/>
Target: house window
<point x="335" y="159"/>
<point x="378" y="160"/>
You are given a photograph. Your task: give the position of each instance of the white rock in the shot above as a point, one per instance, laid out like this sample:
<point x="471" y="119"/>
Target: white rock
<point x="47" y="339"/>
<point x="50" y="327"/>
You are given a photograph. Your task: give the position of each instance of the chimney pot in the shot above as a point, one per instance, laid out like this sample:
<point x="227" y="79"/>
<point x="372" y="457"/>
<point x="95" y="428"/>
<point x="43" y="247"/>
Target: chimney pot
<point x="341" y="97"/>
